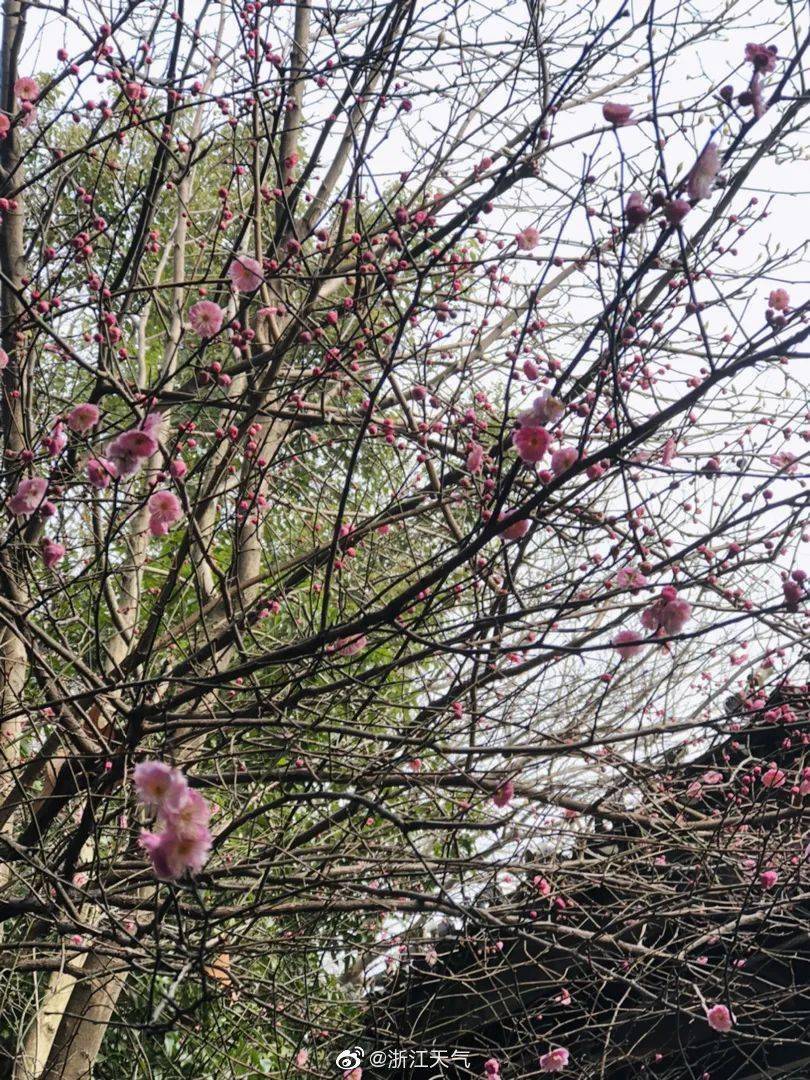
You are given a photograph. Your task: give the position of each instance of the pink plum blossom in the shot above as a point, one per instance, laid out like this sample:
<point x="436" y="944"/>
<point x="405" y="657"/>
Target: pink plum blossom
<point x="56" y="442"/>
<point x="172" y="853"/>
<point x="668" y="615"/>
<point x="768" y="879"/>
<point x="82" y="418"/>
<point x="3" y="359"/>
<point x="206" y="318"/>
<point x="555" y="1060"/>
<point x="185" y="839"/>
<point x="636" y="210"/>
<point x="186" y="810"/>
<point x="517" y="529"/>
<point x="628" y="643"/>
<point x="52" y="553"/>
<point x="492" y="1068"/>
<point x="773" y="778"/>
<point x="136" y="91"/>
<point x="26" y="88"/>
<point x="793" y="593"/>
<point x="785" y="462"/>
<point x="531" y="442"/>
<point x="504" y="795"/>
<point x="719" y="1018"/>
<point x="28" y="497"/>
<point x="630" y="578"/>
<point x="779" y="299"/>
<point x="100" y="472"/>
<point x="475" y="457"/>
<point x="527" y="239"/>
<point x="617" y="114"/>
<point x="675" y="210"/>
<point x="246" y="273"/>
<point x="563" y="459"/>
<point x="158" y="783"/>
<point x="348" y="646"/>
<point x="763" y="57"/>
<point x="545" y="409"/>
<point x="164" y="510"/>
<point x="129" y="450"/>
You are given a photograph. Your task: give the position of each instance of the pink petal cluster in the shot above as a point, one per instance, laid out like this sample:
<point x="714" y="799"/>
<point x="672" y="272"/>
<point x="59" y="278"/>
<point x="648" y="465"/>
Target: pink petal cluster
<point x="184" y="839"/>
<point x="555" y="1060"/>
<point x="794" y="593"/>
<point x="563" y="459"/>
<point x="675" y="210"/>
<point x="628" y="643"/>
<point x="504" y="795"/>
<point x="52" y="553"/>
<point x="246" y="273"/>
<point x="136" y="91"/>
<point x="164" y="511"/>
<point x="636" y="210"/>
<point x="527" y="239"/>
<point x="82" y="418"/>
<point x="779" y="299"/>
<point x="785" y="462"/>
<point x="475" y="457"/>
<point x="28" y="497"/>
<point x="704" y="173"/>
<point x="3" y="358"/>
<point x="630" y="578"/>
<point x="617" y="114"/>
<point x="668" y="615"/>
<point x="531" y="442"/>
<point x="206" y="318"/>
<point x="26" y="88"/>
<point x="56" y="442"/>
<point x="517" y="529"/>
<point x="773" y="778"/>
<point x="545" y="409"/>
<point x="492" y="1068"/>
<point x="131" y="449"/>
<point x="768" y="879"/>
<point x="100" y="472"/>
<point x="719" y="1018"/>
<point x="349" y="646"/>
<point x="763" y="57"/>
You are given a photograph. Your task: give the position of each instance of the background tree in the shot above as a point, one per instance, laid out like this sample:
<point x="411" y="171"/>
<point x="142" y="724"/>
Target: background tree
<point x="404" y="461"/>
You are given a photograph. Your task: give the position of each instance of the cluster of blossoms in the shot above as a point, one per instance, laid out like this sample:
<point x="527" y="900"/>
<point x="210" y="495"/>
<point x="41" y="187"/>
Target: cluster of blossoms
<point x="130" y="450"/>
<point x="666" y="617"/>
<point x="184" y="839"/>
<point x="532" y="439"/>
<point x="164" y="511"/>
<point x="126" y="455"/>
<point x="29" y="496"/>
